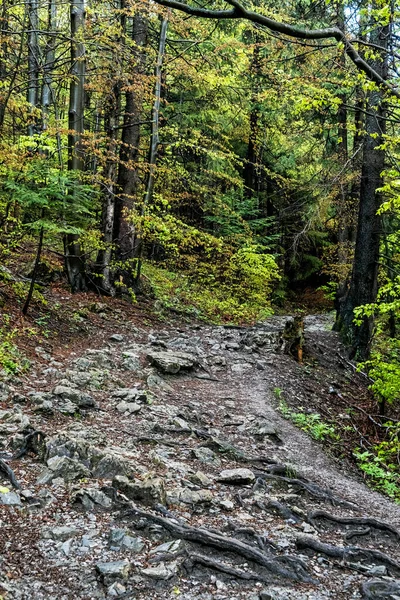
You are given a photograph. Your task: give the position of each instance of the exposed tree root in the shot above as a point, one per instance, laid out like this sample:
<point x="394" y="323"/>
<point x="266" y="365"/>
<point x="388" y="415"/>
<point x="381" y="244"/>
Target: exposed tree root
<point x="376" y="589"/>
<point x="311" y="488"/>
<point x="217" y="565"/>
<point x="350" y="554"/>
<point x="284" y="566"/>
<point x="280" y="509"/>
<point x="33" y="442"/>
<point x="315" y="515"/>
<point x="9" y="473"/>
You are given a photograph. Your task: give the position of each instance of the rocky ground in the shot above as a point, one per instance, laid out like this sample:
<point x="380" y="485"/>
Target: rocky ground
<point x="156" y="464"/>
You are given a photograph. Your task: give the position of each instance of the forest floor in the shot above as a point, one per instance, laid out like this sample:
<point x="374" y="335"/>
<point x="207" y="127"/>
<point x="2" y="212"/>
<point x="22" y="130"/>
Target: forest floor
<point x="153" y="459"/>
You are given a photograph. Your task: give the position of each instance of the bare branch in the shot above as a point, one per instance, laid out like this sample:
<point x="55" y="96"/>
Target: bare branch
<point x="238" y="11"/>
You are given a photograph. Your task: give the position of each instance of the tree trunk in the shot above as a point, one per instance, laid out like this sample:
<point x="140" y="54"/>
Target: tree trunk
<point x="74" y="259"/>
<point x="33" y="64"/>
<point x="128" y="178"/>
<point x="364" y="280"/>
<point x="111" y="119"/>
<point x="47" y="93"/>
<point x="154" y="139"/>
<point x="251" y="174"/>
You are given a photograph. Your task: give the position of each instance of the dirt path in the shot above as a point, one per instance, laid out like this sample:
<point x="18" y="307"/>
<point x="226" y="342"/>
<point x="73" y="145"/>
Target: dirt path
<point x="164" y="469"/>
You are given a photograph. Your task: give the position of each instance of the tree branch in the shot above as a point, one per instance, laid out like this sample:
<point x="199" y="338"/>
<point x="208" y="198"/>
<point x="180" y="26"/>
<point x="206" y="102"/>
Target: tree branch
<point x="240" y="12"/>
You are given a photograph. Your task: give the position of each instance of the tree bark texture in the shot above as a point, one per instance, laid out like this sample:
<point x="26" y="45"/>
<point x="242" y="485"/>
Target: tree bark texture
<point x="74" y="261"/>
<point x="364" y="280"/>
<point x="128" y="177"/>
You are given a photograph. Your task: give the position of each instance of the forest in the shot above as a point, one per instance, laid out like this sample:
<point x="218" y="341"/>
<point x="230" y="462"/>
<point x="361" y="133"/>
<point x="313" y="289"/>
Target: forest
<point x="225" y="159"/>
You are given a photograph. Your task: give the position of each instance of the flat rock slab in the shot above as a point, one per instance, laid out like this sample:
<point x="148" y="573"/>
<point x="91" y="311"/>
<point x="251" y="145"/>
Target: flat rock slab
<point x="114" y="570"/>
<point x="172" y="362"/>
<point x="236" y="476"/>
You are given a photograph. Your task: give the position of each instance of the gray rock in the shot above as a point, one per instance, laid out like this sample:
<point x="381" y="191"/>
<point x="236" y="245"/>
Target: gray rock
<point x="119" y="540"/>
<point x="172" y="548"/>
<point x="377" y="571"/>
<point x="155" y="382"/>
<point x="236" y="476"/>
<point x="200" y="478"/>
<point x="62" y="466"/>
<point x="117" y="338"/>
<point x="12" y="421"/>
<point x="68" y="408"/>
<point x="10" y="499"/>
<point x="131" y="395"/>
<point x="75" y="396"/>
<point x="227" y="504"/>
<point x="206" y="456"/>
<point x="172" y="362"/>
<point x="187" y="496"/>
<point x="100" y="358"/>
<point x="45" y="408"/>
<point x="90" y="498"/>
<point x="60" y="533"/>
<point x="151" y="491"/>
<point x="109" y="466"/>
<point x="131" y="362"/>
<point x="161" y="571"/>
<point x="116" y="536"/>
<point x="79" y="378"/>
<point x="109" y="571"/>
<point x="115" y="590"/>
<point x="133" y="544"/>
<point x="128" y="407"/>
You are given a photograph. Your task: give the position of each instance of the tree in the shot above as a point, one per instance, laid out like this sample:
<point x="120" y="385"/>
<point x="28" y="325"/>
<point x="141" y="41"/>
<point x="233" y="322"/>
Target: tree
<point x="363" y="286"/>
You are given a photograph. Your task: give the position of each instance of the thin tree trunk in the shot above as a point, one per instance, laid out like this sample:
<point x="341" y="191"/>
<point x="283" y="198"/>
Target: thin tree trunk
<point x="47" y="93"/>
<point x="33" y="64"/>
<point x="251" y="175"/>
<point x="154" y="139"/>
<point x="74" y="261"/>
<point x="364" y="281"/>
<point x="128" y="178"/>
<point x="34" y="273"/>
<point x="111" y="119"/>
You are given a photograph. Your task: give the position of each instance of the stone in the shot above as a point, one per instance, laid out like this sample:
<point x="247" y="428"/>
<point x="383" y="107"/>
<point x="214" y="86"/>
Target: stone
<point x="377" y="571"/>
<point x="90" y="498"/>
<point x="109" y="466"/>
<point x="117" y="338"/>
<point x="151" y="491"/>
<point x="60" y="533"/>
<point x="206" y="456"/>
<point x="161" y="571"/>
<point x="62" y="466"/>
<point x="187" y="496"/>
<point x="236" y="476"/>
<point x="128" y="407"/>
<point x="46" y="408"/>
<point x="75" y="396"/>
<point x="109" y="571"/>
<point x="68" y="408"/>
<point x="10" y="499"/>
<point x="133" y="544"/>
<point x="155" y="382"/>
<point x="131" y="395"/>
<point x="172" y="362"/>
<point x="12" y="421"/>
<point x="115" y="590"/>
<point x="131" y="362"/>
<point x="200" y="478"/>
<point x="172" y="548"/>
<point x="227" y="504"/>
